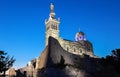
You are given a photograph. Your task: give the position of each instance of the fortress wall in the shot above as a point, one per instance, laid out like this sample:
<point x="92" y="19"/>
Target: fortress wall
<point x="42" y="59"/>
<point x="57" y="55"/>
<point x="54" y="53"/>
<point x="72" y="64"/>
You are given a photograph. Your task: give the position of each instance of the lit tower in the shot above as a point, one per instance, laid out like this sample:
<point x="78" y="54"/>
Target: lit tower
<point x="52" y="25"/>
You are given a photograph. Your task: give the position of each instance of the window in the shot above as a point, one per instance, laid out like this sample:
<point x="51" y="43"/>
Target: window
<point x="54" y="27"/>
<point x="67" y="49"/>
<point x="74" y="50"/>
<point x="80" y="51"/>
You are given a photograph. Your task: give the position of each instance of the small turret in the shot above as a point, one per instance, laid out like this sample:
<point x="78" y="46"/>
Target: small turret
<point x="52" y="13"/>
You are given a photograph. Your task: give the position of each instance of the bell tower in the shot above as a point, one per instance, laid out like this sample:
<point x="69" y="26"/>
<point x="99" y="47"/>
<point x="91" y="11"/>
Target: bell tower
<point x="52" y="25"/>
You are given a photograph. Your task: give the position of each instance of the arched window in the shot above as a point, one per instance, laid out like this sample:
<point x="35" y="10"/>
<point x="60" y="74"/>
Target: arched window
<point x="80" y="50"/>
<point x="74" y="50"/>
<point x="67" y="49"/>
<point x="56" y="27"/>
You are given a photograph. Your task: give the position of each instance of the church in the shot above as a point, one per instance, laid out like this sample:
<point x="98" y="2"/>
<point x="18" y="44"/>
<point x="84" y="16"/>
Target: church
<point x="69" y="57"/>
<point x="79" y="47"/>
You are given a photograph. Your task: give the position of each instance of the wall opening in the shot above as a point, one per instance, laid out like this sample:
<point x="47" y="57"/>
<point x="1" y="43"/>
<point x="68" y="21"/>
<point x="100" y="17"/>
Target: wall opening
<point x="80" y="51"/>
<point x="74" y="50"/>
<point x="67" y="49"/>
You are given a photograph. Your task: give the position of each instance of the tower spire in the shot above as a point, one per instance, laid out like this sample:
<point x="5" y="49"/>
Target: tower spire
<point x="52" y="13"/>
<point x="51" y="8"/>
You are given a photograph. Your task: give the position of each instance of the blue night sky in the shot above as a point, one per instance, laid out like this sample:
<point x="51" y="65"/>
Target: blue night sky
<point x="22" y="25"/>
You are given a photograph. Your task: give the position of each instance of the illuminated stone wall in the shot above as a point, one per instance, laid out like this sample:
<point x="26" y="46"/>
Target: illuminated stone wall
<point x="41" y="62"/>
<point x="62" y="63"/>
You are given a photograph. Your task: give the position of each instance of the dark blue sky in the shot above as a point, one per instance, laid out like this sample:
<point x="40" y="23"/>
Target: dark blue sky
<point x="22" y="27"/>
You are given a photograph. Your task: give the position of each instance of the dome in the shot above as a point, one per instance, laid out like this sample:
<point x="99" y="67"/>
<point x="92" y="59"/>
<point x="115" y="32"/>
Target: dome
<point x="80" y="36"/>
<point x="81" y="33"/>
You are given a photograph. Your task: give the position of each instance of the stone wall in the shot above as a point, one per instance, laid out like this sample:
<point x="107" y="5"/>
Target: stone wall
<point x="55" y="61"/>
<point x="41" y="62"/>
<point x="57" y="55"/>
<point x="61" y="63"/>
